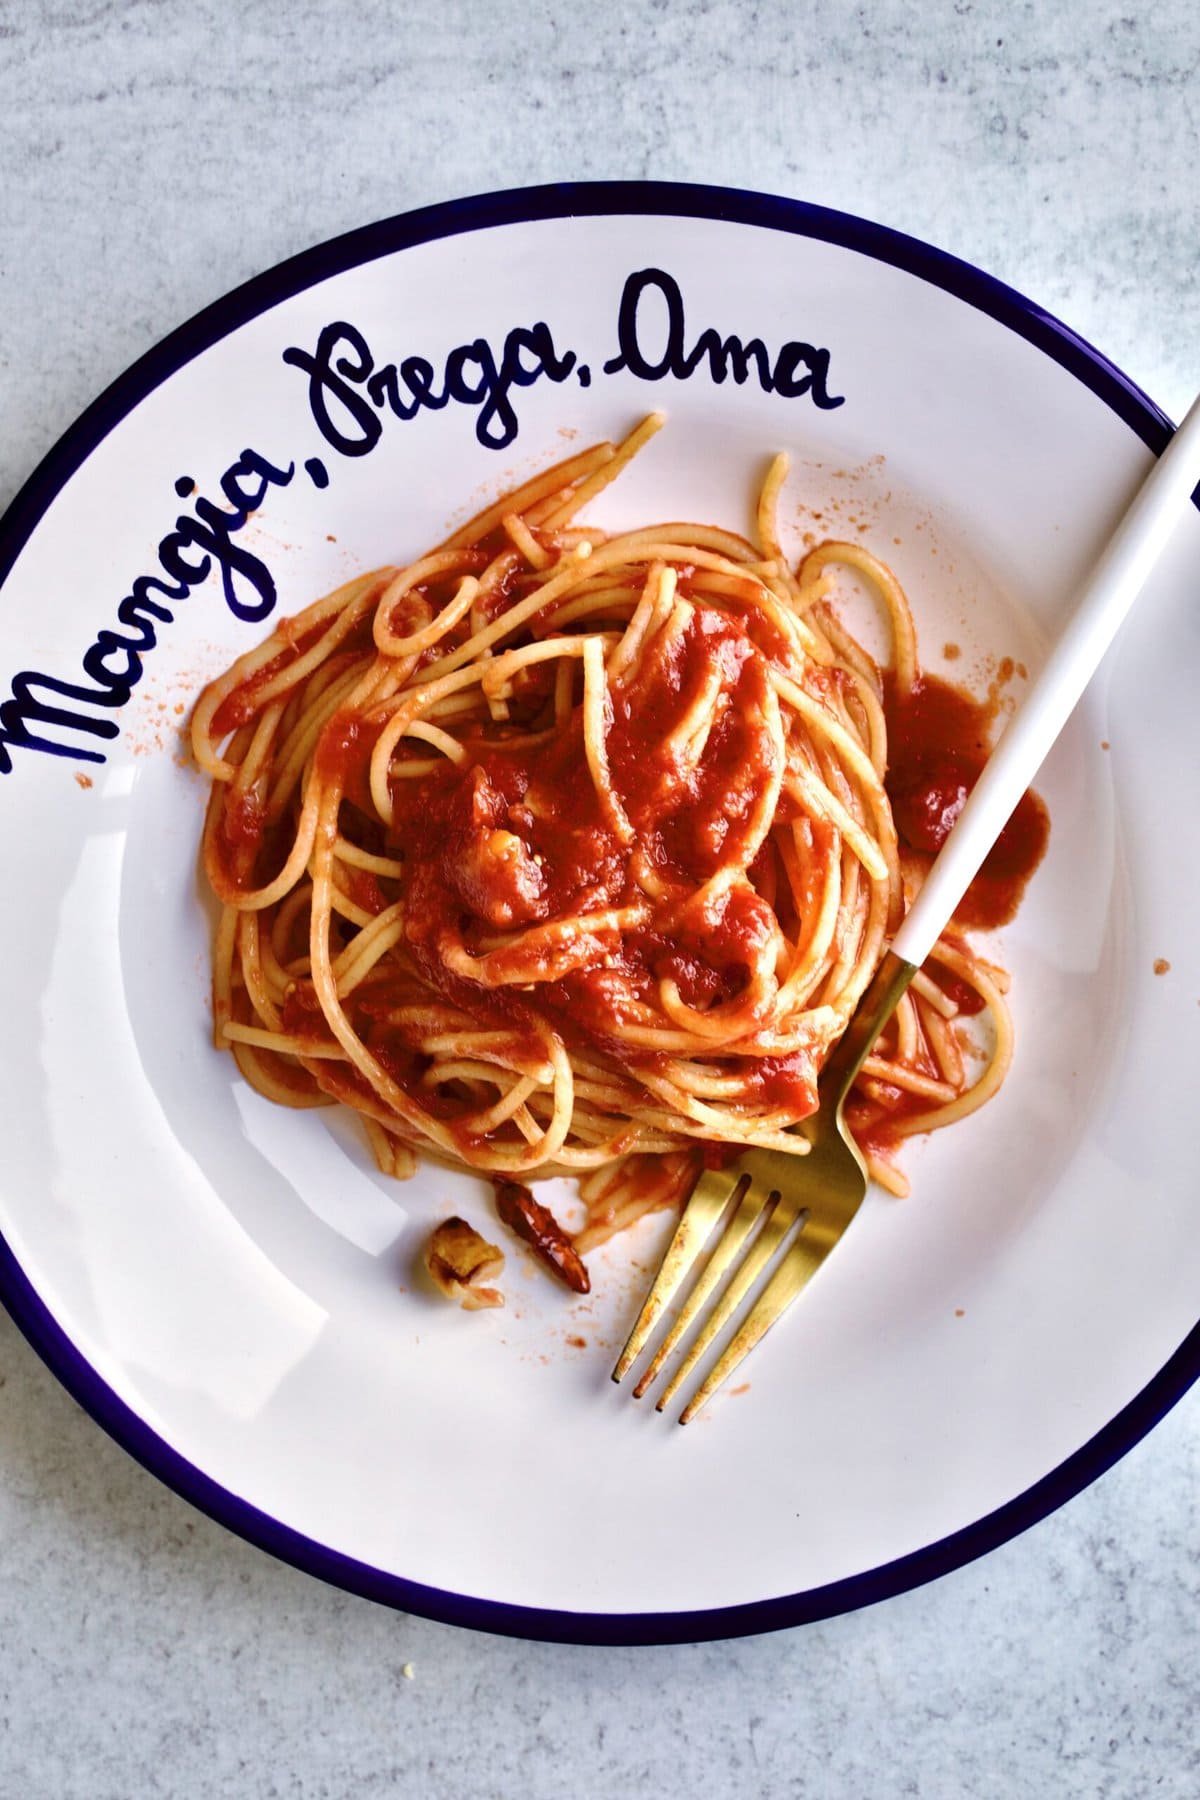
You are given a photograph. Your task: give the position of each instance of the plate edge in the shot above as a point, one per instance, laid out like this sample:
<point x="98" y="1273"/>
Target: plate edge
<point x="1008" y="308"/>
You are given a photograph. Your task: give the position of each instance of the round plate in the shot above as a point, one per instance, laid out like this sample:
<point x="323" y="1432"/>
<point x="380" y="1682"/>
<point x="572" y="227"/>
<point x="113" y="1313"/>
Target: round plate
<point x="230" y="1288"/>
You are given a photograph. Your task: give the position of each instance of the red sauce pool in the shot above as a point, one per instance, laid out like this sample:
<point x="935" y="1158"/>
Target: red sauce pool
<point x="562" y="857"/>
<point x="939" y="738"/>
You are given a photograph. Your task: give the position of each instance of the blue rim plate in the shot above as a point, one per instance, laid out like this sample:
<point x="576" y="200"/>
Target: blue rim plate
<point x="48" y="1337"/>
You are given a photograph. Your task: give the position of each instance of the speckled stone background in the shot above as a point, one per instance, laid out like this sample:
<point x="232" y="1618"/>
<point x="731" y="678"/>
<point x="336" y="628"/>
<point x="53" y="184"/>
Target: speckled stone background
<point x="152" y="155"/>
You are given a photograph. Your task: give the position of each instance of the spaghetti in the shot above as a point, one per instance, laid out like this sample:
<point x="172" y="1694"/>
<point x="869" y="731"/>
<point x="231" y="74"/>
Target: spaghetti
<point x="556" y="852"/>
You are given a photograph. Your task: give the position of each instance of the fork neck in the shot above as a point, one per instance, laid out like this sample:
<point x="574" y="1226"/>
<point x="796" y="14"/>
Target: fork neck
<point x="879" y="1002"/>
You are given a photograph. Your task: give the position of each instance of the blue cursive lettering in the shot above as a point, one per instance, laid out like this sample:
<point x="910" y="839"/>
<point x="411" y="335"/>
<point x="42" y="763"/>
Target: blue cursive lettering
<point x="113" y="662"/>
<point x="651" y="352"/>
<point x="347" y="391"/>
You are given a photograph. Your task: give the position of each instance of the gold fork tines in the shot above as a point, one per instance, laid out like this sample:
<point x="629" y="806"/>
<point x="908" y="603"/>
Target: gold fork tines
<point x="722" y="1258"/>
<point x="764" y="1198"/>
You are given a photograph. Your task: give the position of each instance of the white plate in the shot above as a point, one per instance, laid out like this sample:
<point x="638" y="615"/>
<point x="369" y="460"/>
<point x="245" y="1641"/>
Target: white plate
<point x="228" y="1286"/>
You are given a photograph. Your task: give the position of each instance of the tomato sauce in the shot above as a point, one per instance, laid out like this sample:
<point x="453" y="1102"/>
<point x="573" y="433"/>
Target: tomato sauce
<point x="968" y="999"/>
<point x="939" y="738"/>
<point x="787" y="1082"/>
<point x="515" y="837"/>
<point x="875" y="1122"/>
<point x="362" y="888"/>
<point x="242" y="704"/>
<point x="249" y="852"/>
<point x="302" y="1015"/>
<point x="242" y="819"/>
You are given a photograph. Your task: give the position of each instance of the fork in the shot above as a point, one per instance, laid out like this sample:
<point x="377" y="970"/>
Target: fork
<point x="770" y="1197"/>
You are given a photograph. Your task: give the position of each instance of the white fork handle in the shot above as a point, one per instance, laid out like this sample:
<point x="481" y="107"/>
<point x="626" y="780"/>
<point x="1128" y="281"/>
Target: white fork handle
<point x="1104" y="600"/>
